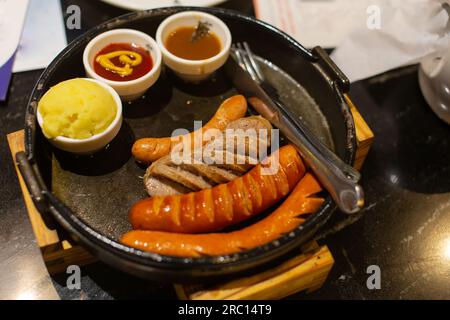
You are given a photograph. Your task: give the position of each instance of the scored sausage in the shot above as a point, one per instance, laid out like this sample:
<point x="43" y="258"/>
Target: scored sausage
<point x="225" y="204"/>
<point x="288" y="216"/>
<point x="147" y="150"/>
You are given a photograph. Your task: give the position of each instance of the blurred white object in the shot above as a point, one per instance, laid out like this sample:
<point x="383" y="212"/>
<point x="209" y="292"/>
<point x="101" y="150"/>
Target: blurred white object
<point x="410" y="32"/>
<point x="434" y="80"/>
<point x="12" y="17"/>
<point x="315" y="22"/>
<point x="151" y="4"/>
<point x="43" y="36"/>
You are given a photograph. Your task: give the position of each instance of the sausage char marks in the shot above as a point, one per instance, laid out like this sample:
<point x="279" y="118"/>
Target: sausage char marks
<point x="148" y="150"/>
<point x="225" y="205"/>
<point x="207" y="167"/>
<point x="289" y="215"/>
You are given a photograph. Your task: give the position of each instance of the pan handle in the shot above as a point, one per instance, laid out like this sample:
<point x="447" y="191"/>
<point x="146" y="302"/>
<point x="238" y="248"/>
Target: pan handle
<point x="332" y="69"/>
<point x="34" y="187"/>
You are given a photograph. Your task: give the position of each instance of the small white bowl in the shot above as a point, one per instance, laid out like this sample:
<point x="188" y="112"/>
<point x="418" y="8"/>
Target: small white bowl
<point x="96" y="142"/>
<point x="128" y="90"/>
<point x="194" y="70"/>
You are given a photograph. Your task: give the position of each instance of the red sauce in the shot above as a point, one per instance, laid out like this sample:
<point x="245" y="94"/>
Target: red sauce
<point x="137" y="71"/>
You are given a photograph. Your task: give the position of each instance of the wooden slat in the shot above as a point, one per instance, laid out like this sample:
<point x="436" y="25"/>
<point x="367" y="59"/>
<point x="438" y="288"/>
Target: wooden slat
<point x="44" y="236"/>
<point x="57" y="253"/>
<point x="307" y="271"/>
<point x="364" y="135"/>
<point x="58" y="261"/>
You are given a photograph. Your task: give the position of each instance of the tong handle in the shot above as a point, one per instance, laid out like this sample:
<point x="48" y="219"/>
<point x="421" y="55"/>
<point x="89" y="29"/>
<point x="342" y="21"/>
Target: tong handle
<point x="340" y="179"/>
<point x="328" y="156"/>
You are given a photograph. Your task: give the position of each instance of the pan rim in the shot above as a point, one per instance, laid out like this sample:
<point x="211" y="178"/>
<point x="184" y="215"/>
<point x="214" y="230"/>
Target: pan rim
<point x="221" y="264"/>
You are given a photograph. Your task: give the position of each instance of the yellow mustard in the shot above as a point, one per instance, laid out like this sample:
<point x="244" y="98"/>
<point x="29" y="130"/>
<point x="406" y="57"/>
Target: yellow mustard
<point x="124" y="56"/>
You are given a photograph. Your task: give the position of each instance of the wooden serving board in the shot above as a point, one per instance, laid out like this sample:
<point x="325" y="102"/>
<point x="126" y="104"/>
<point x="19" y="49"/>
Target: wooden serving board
<point x="305" y="272"/>
<point x="58" y="252"/>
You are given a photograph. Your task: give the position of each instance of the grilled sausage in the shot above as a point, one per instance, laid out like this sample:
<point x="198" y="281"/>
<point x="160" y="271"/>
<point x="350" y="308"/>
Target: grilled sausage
<point x="223" y="205"/>
<point x="147" y="150"/>
<point x="193" y="175"/>
<point x="287" y="217"/>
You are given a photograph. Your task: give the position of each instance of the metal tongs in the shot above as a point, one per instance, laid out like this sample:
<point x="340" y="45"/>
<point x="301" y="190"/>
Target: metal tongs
<point x="340" y="179"/>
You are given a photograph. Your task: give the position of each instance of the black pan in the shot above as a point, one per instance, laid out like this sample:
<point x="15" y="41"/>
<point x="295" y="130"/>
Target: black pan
<point x="90" y="196"/>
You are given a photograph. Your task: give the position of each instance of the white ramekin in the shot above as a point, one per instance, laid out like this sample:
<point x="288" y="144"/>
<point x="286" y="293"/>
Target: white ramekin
<point x="96" y="142"/>
<point x="194" y="70"/>
<point x="128" y="90"/>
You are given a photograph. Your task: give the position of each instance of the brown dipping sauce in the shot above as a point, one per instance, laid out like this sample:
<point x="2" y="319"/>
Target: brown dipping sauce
<point x="112" y="53"/>
<point x="180" y="43"/>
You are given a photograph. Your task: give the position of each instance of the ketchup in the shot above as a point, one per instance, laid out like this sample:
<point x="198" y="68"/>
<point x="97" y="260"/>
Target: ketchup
<point x="122" y="62"/>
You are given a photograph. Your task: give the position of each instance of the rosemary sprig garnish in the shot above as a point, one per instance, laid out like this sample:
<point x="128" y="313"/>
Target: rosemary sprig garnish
<point x="201" y="30"/>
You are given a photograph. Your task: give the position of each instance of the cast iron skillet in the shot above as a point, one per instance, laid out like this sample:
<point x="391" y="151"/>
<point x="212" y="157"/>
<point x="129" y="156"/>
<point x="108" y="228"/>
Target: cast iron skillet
<point x="53" y="177"/>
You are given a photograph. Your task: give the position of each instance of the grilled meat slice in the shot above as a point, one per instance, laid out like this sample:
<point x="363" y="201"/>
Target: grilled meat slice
<point x="164" y="177"/>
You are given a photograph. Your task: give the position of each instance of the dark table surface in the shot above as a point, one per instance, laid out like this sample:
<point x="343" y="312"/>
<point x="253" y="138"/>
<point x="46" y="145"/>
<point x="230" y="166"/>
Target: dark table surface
<point x="404" y="229"/>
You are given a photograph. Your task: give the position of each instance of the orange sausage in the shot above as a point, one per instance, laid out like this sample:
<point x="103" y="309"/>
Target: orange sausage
<point x="224" y="205"/>
<point x="148" y="150"/>
<point x="283" y="220"/>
